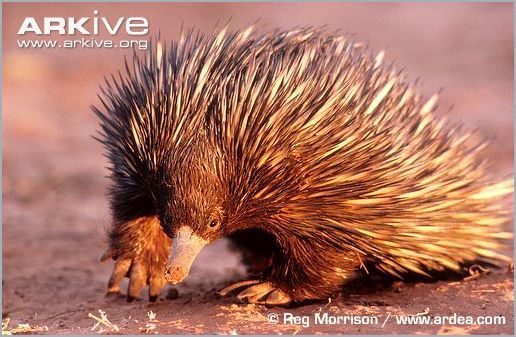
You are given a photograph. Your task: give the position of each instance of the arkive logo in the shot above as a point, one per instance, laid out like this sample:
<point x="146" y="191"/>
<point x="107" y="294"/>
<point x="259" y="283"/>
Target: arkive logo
<point x="85" y="25"/>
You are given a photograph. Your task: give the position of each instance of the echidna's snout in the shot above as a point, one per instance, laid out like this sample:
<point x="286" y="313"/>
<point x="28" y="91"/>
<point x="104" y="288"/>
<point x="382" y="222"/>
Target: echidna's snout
<point x="185" y="248"/>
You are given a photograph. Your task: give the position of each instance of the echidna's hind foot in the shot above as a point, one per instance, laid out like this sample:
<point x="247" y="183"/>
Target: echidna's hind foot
<point x="257" y="292"/>
<point x="140" y="249"/>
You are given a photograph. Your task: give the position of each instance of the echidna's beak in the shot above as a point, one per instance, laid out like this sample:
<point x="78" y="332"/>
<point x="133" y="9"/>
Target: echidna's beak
<point x="185" y="248"/>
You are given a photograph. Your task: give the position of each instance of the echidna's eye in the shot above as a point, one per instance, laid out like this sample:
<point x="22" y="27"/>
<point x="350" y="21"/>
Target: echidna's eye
<point x="214" y="224"/>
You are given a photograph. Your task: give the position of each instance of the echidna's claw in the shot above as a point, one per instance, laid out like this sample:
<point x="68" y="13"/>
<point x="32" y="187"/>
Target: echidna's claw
<point x="277" y="297"/>
<point x="137" y="280"/>
<point x="235" y="286"/>
<point x="254" y="293"/>
<point x="263" y="293"/>
<point x="139" y="274"/>
<point x="119" y="271"/>
<point x="156" y="282"/>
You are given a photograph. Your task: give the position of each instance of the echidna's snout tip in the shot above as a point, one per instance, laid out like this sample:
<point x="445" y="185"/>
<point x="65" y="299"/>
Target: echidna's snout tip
<point x="175" y="274"/>
<point x="185" y="247"/>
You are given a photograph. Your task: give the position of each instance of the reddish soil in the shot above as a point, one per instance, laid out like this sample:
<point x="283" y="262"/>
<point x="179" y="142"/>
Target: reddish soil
<point x="55" y="209"/>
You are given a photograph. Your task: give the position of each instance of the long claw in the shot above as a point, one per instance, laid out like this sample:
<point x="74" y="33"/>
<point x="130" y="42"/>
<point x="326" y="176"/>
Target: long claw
<point x="235" y="286"/>
<point x="277" y="297"/>
<point x="156" y="282"/>
<point x="119" y="271"/>
<point x="138" y="280"/>
<point x="254" y="293"/>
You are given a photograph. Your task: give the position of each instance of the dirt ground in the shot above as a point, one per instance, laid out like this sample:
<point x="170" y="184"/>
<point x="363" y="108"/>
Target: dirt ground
<point x="55" y="210"/>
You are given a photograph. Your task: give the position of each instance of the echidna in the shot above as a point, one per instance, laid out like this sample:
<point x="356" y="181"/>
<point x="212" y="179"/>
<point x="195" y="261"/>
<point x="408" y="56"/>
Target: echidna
<point x="302" y="148"/>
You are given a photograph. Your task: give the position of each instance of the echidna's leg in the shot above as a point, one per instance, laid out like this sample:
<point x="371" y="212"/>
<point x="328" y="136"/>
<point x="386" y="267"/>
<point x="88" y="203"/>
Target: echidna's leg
<point x="293" y="276"/>
<point x="257" y="248"/>
<point x="141" y="249"/>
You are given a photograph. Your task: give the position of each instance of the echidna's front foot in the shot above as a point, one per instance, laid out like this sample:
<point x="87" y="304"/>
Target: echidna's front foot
<point x="140" y="274"/>
<point x="140" y="250"/>
<point x="258" y="292"/>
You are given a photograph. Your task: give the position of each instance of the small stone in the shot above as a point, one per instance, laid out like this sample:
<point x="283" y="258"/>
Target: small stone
<point x="172" y="294"/>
